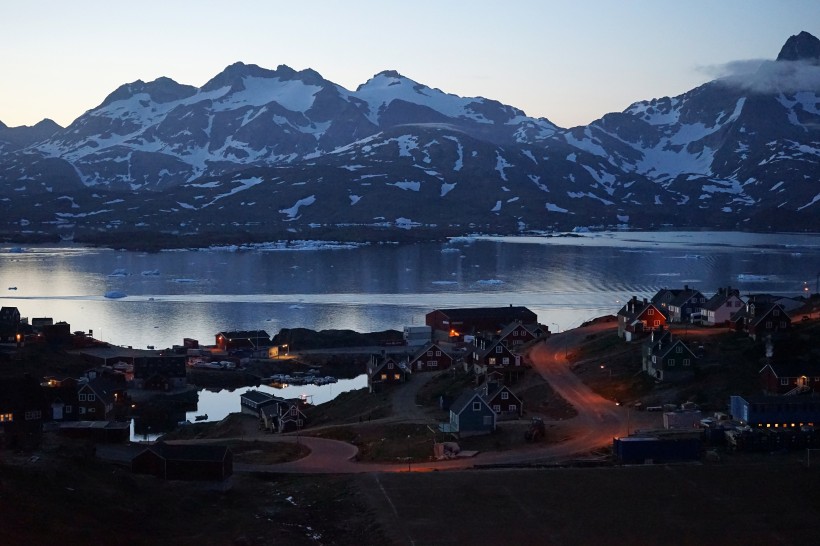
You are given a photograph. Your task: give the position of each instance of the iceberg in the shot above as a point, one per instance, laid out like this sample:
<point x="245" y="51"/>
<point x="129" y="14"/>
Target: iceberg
<point x="115" y="294"/>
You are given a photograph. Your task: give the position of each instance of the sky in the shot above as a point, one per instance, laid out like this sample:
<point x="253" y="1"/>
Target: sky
<point x="568" y="61"/>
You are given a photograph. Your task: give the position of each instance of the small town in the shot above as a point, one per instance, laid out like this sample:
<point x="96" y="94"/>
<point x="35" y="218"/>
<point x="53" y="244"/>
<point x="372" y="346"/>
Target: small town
<point x="679" y="378"/>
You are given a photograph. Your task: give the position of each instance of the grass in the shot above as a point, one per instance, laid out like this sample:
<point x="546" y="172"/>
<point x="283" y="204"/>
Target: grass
<point x="350" y="407"/>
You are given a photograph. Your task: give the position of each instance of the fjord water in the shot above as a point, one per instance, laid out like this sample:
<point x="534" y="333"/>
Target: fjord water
<point x="565" y="280"/>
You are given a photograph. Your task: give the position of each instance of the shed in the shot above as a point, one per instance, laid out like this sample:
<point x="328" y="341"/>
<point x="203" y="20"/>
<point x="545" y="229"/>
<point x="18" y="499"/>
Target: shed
<point x="192" y="462"/>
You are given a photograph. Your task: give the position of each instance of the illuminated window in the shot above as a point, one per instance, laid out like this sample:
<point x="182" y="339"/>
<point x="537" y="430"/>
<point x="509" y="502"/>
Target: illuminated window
<point x="492" y="361"/>
<point x="384" y="376"/>
<point x="6" y="417"/>
<point x="397" y="376"/>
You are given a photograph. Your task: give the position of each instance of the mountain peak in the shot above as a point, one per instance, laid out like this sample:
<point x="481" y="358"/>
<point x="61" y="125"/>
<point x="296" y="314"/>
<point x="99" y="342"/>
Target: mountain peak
<point x="801" y="47"/>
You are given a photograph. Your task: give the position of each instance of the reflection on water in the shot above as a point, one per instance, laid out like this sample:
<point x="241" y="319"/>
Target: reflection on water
<point x="218" y="404"/>
<point x="565" y="280"/>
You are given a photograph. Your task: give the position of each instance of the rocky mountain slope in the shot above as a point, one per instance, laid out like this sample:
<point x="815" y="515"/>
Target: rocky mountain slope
<point x="264" y="154"/>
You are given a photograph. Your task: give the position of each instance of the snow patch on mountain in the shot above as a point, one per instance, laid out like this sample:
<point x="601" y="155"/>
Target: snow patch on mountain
<point x="293" y="212"/>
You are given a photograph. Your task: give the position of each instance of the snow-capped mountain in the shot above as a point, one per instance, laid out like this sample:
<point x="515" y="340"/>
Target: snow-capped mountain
<point x="286" y="153"/>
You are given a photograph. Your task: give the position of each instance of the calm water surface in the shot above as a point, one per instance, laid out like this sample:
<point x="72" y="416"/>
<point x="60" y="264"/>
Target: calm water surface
<point x="565" y="280"/>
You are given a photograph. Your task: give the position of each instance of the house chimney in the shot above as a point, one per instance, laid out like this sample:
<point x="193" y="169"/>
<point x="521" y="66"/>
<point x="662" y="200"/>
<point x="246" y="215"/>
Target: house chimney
<point x="686" y="287"/>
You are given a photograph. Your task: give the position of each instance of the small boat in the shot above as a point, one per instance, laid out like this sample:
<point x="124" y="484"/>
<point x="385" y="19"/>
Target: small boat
<point x="201" y="417"/>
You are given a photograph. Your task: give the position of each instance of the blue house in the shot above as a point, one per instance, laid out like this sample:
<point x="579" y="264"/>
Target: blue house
<point x="470" y="415"/>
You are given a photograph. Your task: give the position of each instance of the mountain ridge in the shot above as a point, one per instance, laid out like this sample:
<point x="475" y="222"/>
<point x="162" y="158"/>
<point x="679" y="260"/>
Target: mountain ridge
<point x="292" y="154"/>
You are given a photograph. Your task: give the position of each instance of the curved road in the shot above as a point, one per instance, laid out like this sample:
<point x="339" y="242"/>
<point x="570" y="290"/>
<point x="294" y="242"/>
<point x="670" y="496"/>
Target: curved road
<point x="597" y="422"/>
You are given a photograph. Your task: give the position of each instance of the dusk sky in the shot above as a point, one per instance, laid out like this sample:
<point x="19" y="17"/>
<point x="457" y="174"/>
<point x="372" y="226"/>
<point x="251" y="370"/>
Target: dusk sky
<point x="570" y="62"/>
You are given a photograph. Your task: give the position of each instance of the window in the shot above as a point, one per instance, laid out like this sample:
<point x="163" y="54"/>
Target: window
<point x="438" y="353"/>
<point x="769" y="324"/>
<point x="397" y="376"/>
<point x="476" y="406"/>
<point x="293" y="410"/>
<point x="776" y="312"/>
<point x="432" y="363"/>
<point x="656" y="323"/>
<point x="92" y="397"/>
<point x="505" y="361"/>
<point x="384" y="376"/>
<point x="784" y="381"/>
<point x="498" y="348"/>
<point x="82" y="410"/>
<point x="69" y="409"/>
<point x="30" y="415"/>
<point x="513" y="407"/>
<point x="654" y="359"/>
<point x="670" y="362"/>
<point x="429" y="353"/>
<point x="6" y="417"/>
<point x="82" y="398"/>
<point x="491" y="361"/>
<point x="92" y="410"/>
<point x="505" y="395"/>
<point x="678" y="349"/>
<point x="651" y="312"/>
<point x="497" y="408"/>
<point x="686" y="362"/>
<point x="389" y="365"/>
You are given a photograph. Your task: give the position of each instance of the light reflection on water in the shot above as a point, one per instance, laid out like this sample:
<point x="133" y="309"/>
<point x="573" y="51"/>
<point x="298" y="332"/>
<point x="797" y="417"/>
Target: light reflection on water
<point x="565" y="280"/>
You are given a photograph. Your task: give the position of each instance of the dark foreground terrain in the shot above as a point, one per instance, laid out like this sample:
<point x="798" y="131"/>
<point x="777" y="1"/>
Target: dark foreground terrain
<point x="764" y="499"/>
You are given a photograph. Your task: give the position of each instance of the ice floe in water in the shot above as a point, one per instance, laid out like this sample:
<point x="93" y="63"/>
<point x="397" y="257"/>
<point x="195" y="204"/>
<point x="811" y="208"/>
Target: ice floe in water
<point x="150" y="273"/>
<point x="748" y="277"/>
<point x="489" y="281"/>
<point x="445" y="282"/>
<point x="115" y="294"/>
<point x="118" y="273"/>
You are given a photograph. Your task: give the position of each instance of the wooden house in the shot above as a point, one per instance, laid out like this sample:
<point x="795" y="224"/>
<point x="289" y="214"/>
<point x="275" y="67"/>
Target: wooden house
<point x="718" y="309"/>
<point x="252" y="402"/>
<point x="790" y="378"/>
<point x="431" y="358"/>
<point x="637" y="318"/>
<point x="284" y="415"/>
<point x="491" y="355"/>
<point x="502" y="400"/>
<point x="10" y="325"/>
<point x="516" y="334"/>
<point x="685" y="304"/>
<point x="384" y="369"/>
<point x="760" y="320"/>
<point x="665" y="358"/>
<point x="22" y="412"/>
<point x="470" y="415"/>
<point x="159" y="372"/>
<point x="96" y="398"/>
<point x="196" y="462"/>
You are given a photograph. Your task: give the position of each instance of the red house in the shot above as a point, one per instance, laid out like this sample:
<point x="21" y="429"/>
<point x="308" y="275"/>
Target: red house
<point x="431" y="358"/>
<point x="504" y="402"/>
<point x="639" y="317"/>
<point x="516" y="334"/>
<point x="790" y="378"/>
